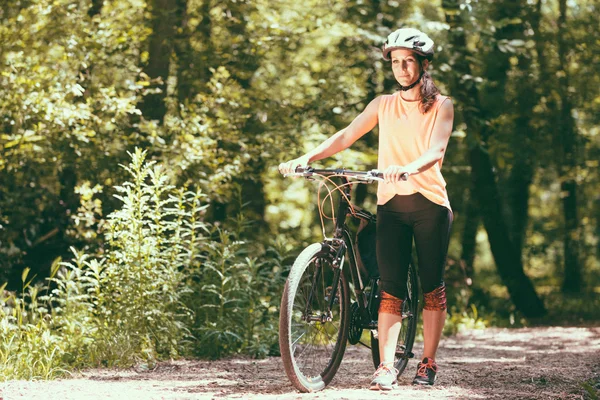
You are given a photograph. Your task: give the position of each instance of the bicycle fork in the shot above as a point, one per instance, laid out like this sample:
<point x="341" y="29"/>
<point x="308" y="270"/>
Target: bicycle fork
<point x="337" y="264"/>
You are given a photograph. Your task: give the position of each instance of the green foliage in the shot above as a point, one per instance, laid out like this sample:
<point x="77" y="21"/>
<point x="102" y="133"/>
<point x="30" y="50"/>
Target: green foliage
<point x="120" y="308"/>
<point x="69" y="87"/>
<point x="248" y="85"/>
<point x="164" y="284"/>
<point x="464" y="320"/>
<point x="573" y="309"/>
<point x="237" y="296"/>
<point x="149" y="242"/>
<point x="45" y="327"/>
<point x="592" y="391"/>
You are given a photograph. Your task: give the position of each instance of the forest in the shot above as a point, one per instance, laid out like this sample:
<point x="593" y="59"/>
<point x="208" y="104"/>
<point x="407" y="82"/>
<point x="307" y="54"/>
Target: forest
<point x="142" y="214"/>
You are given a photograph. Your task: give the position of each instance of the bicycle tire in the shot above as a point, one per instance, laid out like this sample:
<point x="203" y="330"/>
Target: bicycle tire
<point x="406" y="337"/>
<point x="292" y="349"/>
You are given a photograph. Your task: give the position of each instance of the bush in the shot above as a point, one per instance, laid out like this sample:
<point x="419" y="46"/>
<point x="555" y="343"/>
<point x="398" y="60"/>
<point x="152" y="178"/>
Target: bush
<point x="152" y="242"/>
<point x="237" y="296"/>
<point x="164" y="284"/>
<point x="118" y="308"/>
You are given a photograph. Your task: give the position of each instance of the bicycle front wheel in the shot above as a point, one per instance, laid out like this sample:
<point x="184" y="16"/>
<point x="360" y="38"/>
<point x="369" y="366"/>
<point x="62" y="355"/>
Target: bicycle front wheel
<point x="312" y="338"/>
<point x="406" y="337"/>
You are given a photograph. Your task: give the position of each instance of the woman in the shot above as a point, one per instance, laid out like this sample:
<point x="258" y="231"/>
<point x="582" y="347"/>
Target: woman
<point x="415" y="124"/>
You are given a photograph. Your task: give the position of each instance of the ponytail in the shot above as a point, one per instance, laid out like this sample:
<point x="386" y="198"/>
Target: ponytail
<point x="428" y="89"/>
<point x="428" y="93"/>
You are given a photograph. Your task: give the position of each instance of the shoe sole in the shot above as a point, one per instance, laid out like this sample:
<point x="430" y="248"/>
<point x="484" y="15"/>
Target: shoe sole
<point x="422" y="384"/>
<point x="418" y="383"/>
<point x="378" y="386"/>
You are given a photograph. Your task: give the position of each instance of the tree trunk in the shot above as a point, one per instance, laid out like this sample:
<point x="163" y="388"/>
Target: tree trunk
<point x="567" y="170"/>
<point x="519" y="185"/>
<point x="525" y="138"/>
<point x="597" y="214"/>
<point x="205" y="31"/>
<point x="161" y="44"/>
<point x="184" y="53"/>
<point x="508" y="261"/>
<point x="469" y="235"/>
<point x="497" y="61"/>
<point x="96" y="8"/>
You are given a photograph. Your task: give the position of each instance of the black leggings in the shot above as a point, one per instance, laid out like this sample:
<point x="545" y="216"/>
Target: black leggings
<point x="398" y="221"/>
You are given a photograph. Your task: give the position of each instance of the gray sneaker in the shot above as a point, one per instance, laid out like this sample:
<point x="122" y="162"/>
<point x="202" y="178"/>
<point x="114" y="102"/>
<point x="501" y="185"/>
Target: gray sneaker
<point x="385" y="378"/>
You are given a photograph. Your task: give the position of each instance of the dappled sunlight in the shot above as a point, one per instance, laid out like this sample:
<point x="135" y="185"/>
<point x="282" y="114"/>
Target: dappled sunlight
<point x="485" y="347"/>
<point x="479" y="364"/>
<point x="143" y="216"/>
<point x="474" y="360"/>
<point x="532" y="341"/>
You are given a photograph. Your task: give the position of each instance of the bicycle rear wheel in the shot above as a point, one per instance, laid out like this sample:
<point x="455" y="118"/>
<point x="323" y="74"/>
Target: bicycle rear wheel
<point x="406" y="337"/>
<point x="312" y="344"/>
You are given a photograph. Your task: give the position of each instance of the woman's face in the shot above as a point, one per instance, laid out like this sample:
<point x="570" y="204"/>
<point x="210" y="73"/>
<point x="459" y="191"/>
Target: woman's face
<point x="406" y="66"/>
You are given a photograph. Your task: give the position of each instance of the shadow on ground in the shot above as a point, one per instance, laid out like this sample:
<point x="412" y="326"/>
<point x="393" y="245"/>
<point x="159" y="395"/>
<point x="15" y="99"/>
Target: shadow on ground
<point x="528" y="363"/>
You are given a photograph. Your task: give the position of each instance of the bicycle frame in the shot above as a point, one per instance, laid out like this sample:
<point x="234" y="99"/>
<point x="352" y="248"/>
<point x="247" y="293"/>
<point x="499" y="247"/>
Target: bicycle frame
<point x="340" y="244"/>
<point x="339" y="317"/>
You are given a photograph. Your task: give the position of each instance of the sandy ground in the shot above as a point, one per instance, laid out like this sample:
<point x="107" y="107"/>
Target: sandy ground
<point x="528" y="363"/>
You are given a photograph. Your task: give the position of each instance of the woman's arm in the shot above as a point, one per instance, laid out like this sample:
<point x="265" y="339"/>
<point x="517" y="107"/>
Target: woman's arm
<point x="339" y="141"/>
<point x="442" y="129"/>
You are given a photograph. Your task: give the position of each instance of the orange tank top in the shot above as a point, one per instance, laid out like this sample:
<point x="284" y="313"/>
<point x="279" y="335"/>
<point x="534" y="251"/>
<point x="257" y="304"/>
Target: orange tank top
<point x="404" y="135"/>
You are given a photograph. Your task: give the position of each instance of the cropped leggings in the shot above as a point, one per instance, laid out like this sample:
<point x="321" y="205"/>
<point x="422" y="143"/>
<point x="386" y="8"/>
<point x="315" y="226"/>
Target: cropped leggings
<point x="399" y="221"/>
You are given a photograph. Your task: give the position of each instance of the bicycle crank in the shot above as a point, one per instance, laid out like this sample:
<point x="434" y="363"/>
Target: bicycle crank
<point x="355" y="329"/>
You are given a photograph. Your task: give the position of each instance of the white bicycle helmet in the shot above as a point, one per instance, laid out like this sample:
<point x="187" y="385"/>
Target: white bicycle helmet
<point x="411" y="39"/>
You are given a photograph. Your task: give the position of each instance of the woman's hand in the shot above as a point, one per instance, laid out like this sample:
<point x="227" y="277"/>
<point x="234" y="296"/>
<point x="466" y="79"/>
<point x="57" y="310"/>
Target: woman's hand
<point x="394" y="173"/>
<point x="290" y="166"/>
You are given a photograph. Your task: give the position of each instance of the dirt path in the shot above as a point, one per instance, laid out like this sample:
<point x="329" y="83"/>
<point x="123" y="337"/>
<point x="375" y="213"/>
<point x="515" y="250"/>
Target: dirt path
<point x="529" y="363"/>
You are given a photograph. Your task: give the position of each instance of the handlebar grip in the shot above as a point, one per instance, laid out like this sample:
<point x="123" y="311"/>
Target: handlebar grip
<point x="403" y="177"/>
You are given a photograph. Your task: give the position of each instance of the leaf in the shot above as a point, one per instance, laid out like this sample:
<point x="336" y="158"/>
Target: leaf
<point x="24" y="274"/>
<point x="55" y="266"/>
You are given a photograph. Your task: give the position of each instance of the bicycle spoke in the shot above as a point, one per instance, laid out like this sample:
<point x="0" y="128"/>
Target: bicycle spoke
<point x="319" y="349"/>
<point x="314" y="330"/>
<point x="303" y="350"/>
<point x="299" y="337"/>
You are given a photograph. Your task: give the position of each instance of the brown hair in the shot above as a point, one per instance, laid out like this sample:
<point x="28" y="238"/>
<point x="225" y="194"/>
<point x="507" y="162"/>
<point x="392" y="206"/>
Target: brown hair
<point x="428" y="89"/>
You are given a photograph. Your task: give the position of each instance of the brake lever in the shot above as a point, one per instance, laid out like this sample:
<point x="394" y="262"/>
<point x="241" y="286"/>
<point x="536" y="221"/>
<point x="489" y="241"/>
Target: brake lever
<point x="371" y="177"/>
<point x="374" y="172"/>
<point x="365" y="179"/>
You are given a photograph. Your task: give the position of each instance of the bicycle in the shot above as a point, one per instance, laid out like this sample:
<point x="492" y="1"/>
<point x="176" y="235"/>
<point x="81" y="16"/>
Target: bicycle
<point x="317" y="316"/>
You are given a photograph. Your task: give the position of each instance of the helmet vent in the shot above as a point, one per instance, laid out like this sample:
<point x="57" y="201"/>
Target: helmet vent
<point x="411" y="39"/>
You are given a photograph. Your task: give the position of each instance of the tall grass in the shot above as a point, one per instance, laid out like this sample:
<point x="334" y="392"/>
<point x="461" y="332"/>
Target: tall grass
<point x="137" y="286"/>
<point x="237" y="296"/>
<point x="164" y="284"/>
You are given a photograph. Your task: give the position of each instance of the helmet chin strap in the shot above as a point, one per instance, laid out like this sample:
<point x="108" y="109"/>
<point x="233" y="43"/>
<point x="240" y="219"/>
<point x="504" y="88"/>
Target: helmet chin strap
<point x="412" y="85"/>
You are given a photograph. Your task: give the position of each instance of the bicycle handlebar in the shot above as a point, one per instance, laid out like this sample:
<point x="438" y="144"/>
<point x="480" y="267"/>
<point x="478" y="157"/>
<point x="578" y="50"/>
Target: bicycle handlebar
<point x="369" y="176"/>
